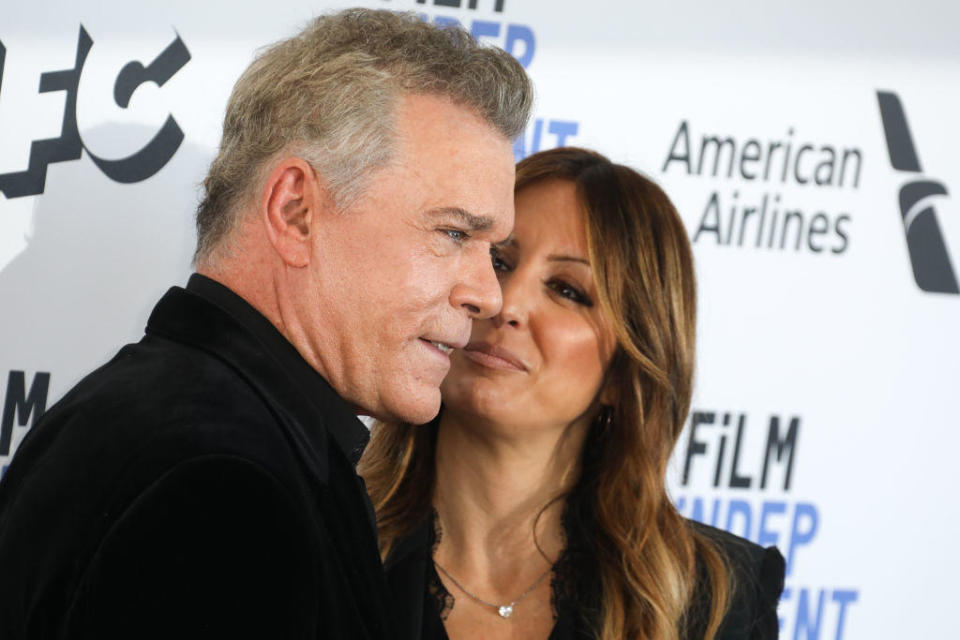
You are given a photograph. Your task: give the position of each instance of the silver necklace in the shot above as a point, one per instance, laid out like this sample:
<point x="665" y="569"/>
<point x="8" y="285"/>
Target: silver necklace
<point x="505" y="610"/>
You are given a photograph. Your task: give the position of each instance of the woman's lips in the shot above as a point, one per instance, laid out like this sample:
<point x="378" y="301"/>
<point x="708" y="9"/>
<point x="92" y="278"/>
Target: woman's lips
<point x="493" y="357"/>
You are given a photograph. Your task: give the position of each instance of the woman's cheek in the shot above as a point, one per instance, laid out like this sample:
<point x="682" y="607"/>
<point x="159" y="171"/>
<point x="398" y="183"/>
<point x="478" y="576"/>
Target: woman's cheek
<point x="574" y="364"/>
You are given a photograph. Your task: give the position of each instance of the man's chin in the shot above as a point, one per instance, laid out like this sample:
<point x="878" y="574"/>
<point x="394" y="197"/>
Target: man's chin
<point x="419" y="408"/>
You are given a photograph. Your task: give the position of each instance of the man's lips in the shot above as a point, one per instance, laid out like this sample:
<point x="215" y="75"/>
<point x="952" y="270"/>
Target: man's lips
<point x="443" y="346"/>
<point x="493" y="357"/>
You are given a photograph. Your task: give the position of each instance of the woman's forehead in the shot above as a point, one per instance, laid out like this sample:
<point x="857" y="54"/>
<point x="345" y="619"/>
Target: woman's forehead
<point x="549" y="219"/>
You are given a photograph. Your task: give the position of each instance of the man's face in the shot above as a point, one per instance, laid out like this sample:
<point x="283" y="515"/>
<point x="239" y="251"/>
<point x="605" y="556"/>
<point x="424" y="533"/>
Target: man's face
<point x="397" y="277"/>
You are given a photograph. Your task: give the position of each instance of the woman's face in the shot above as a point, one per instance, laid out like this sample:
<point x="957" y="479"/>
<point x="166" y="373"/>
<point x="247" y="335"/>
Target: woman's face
<point x="540" y="362"/>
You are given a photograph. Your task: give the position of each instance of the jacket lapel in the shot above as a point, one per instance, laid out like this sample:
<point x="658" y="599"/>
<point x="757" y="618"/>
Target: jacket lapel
<point x="187" y="318"/>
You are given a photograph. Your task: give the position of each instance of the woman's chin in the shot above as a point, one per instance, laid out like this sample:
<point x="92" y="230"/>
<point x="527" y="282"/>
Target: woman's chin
<point x="474" y="393"/>
<point x="479" y="407"/>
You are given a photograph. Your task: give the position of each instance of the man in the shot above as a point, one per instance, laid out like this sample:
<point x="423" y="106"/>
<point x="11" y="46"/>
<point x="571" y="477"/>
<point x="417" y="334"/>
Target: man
<point x="202" y="483"/>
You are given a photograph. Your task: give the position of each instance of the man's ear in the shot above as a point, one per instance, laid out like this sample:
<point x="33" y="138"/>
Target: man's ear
<point x="292" y="199"/>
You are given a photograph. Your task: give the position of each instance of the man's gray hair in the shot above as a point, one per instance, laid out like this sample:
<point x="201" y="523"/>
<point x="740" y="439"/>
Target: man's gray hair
<point x="329" y="93"/>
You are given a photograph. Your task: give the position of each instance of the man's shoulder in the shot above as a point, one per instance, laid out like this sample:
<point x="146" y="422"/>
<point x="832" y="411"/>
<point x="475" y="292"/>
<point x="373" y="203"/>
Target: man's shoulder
<point x="161" y="423"/>
<point x="157" y="370"/>
<point x="162" y="382"/>
<point x="157" y="402"/>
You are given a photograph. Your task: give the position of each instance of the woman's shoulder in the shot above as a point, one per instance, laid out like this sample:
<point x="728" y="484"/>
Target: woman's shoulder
<point x="756" y="576"/>
<point x="746" y="559"/>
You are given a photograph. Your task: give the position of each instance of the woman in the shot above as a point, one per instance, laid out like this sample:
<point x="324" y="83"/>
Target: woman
<point x="534" y="506"/>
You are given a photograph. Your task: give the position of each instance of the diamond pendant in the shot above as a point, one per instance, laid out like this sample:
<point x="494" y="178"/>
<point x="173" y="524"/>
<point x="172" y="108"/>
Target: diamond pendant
<point x="505" y="611"/>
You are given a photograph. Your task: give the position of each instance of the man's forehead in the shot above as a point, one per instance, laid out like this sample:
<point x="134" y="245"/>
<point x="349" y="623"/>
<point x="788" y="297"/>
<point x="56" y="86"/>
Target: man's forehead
<point x="459" y="164"/>
<point x="434" y="118"/>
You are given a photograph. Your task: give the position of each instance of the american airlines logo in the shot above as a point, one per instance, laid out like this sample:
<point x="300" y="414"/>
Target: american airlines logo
<point x="929" y="256"/>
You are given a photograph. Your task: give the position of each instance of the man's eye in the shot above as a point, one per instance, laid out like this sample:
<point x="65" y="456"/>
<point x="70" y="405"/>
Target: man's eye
<point x="457" y="235"/>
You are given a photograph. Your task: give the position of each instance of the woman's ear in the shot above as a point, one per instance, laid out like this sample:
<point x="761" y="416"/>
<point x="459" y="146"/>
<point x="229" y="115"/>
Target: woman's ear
<point x="609" y="391"/>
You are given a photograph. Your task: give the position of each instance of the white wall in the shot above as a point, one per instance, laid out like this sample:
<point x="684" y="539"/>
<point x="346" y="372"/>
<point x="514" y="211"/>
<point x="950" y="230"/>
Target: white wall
<point x="842" y="342"/>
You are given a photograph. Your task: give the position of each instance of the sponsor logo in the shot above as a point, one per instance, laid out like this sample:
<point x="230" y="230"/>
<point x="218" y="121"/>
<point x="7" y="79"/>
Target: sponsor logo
<point x="21" y="406"/>
<point x="520" y="41"/>
<point x="752" y="497"/>
<point x="69" y="144"/>
<point x="929" y="257"/>
<point x="767" y="176"/>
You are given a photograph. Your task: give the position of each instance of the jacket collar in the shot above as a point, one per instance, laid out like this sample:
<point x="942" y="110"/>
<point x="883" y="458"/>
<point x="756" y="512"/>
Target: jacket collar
<point x="210" y="317"/>
<point x="406" y="569"/>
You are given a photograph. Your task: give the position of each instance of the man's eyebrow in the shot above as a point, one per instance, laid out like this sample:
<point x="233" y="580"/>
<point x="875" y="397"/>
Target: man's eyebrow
<point x="471" y="221"/>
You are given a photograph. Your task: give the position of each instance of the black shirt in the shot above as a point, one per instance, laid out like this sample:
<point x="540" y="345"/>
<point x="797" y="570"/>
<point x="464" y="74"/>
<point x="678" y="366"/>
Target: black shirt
<point x="200" y="484"/>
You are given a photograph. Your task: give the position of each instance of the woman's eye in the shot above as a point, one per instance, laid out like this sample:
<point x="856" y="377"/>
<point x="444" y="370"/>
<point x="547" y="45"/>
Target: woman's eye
<point x="570" y="292"/>
<point x="499" y="264"/>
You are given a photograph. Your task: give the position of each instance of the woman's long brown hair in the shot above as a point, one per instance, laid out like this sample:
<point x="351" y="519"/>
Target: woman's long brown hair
<point x="650" y="560"/>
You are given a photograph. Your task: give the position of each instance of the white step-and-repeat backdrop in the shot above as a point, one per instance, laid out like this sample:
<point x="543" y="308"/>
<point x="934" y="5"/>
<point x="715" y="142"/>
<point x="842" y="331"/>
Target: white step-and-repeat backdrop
<point x="811" y="151"/>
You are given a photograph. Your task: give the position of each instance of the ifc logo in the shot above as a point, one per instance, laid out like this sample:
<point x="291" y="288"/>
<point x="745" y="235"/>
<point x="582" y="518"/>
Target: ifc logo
<point x="69" y="145"/>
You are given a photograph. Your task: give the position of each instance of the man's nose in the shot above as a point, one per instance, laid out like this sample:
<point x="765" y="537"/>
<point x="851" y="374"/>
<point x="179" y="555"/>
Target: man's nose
<point x="478" y="291"/>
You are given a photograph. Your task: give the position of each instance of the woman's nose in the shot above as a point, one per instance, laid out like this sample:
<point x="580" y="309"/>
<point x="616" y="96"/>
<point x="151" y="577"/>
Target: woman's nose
<point x="516" y="300"/>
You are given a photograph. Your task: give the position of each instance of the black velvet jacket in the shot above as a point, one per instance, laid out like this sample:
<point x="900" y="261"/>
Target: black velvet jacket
<point x="200" y="484"/>
<point x="423" y="601"/>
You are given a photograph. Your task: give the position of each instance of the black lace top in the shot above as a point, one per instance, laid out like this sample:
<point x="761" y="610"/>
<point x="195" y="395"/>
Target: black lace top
<point x="563" y="595"/>
<point x="423" y="602"/>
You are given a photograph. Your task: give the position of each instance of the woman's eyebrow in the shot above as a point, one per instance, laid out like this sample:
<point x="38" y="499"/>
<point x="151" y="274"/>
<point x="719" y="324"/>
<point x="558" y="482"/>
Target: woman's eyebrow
<point x="567" y="258"/>
<point x="471" y="221"/>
